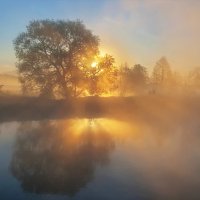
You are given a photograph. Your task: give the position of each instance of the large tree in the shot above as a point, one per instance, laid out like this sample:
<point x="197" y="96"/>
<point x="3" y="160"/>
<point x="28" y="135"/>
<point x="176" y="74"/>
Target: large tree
<point x="52" y="55"/>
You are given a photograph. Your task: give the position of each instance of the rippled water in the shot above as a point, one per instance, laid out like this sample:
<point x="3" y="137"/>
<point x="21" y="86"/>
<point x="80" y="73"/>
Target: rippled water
<point x="99" y="159"/>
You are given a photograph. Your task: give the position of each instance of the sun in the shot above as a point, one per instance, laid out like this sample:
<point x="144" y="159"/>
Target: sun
<point x="94" y="64"/>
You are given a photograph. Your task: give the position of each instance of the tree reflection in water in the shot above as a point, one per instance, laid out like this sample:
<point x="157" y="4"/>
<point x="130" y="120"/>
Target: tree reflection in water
<point x="57" y="157"/>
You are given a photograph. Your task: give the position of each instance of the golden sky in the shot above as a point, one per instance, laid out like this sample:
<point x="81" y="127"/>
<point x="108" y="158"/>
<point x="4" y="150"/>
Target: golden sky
<point x="133" y="31"/>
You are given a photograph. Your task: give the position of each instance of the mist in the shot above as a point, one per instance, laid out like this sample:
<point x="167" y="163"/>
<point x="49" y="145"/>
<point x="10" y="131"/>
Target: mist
<point x="100" y="100"/>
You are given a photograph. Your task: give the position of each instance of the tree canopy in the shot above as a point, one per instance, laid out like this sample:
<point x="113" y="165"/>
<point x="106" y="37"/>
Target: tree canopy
<point x="102" y="76"/>
<point x="134" y="79"/>
<point x="62" y="59"/>
<point x="54" y="58"/>
<point x="162" y="74"/>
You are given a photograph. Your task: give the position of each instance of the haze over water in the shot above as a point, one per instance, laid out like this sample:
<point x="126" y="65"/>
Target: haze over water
<point x="99" y="100"/>
<point x="98" y="159"/>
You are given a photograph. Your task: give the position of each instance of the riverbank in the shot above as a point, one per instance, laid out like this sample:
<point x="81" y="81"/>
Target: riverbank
<point x="149" y="107"/>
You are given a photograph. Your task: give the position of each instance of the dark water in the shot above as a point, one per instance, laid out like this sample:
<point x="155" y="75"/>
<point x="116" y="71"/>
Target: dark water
<point x="99" y="159"/>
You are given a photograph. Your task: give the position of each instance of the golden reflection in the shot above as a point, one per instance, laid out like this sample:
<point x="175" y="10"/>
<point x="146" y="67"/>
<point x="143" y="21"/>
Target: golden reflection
<point x="60" y="157"/>
<point x="111" y="126"/>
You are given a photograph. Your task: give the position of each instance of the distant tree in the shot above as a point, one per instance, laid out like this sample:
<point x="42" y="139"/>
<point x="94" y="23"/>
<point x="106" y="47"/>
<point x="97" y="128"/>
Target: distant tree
<point x="134" y="79"/>
<point x="124" y="70"/>
<point x="162" y="74"/>
<point x="194" y="78"/>
<point x="139" y="77"/>
<point x="102" y="76"/>
<point x="52" y="54"/>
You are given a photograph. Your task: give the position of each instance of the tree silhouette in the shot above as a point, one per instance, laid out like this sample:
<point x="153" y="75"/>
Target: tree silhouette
<point x="53" y="158"/>
<point x="134" y="80"/>
<point x="139" y="78"/>
<point x="51" y="56"/>
<point x="162" y="74"/>
<point x="123" y="72"/>
<point x="103" y="77"/>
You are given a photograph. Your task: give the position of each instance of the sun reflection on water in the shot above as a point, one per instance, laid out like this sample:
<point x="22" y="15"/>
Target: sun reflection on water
<point x="113" y="127"/>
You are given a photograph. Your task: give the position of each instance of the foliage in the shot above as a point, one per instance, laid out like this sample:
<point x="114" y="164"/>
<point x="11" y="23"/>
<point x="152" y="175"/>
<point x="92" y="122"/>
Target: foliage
<point x="51" y="54"/>
<point x="61" y="59"/>
<point x="134" y="80"/>
<point x="162" y="74"/>
<point x="102" y="79"/>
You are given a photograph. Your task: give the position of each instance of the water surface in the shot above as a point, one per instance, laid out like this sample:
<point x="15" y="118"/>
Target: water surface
<point x="99" y="159"/>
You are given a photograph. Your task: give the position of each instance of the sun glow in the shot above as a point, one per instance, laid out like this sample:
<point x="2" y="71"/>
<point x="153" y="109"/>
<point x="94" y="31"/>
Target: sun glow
<point x="113" y="127"/>
<point x="94" y="64"/>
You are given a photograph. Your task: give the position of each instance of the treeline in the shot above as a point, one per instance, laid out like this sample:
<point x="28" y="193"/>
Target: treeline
<point x="61" y="59"/>
<point x="162" y="79"/>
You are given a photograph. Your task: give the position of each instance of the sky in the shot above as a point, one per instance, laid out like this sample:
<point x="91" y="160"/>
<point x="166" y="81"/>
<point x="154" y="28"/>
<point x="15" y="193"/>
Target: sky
<point x="133" y="31"/>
